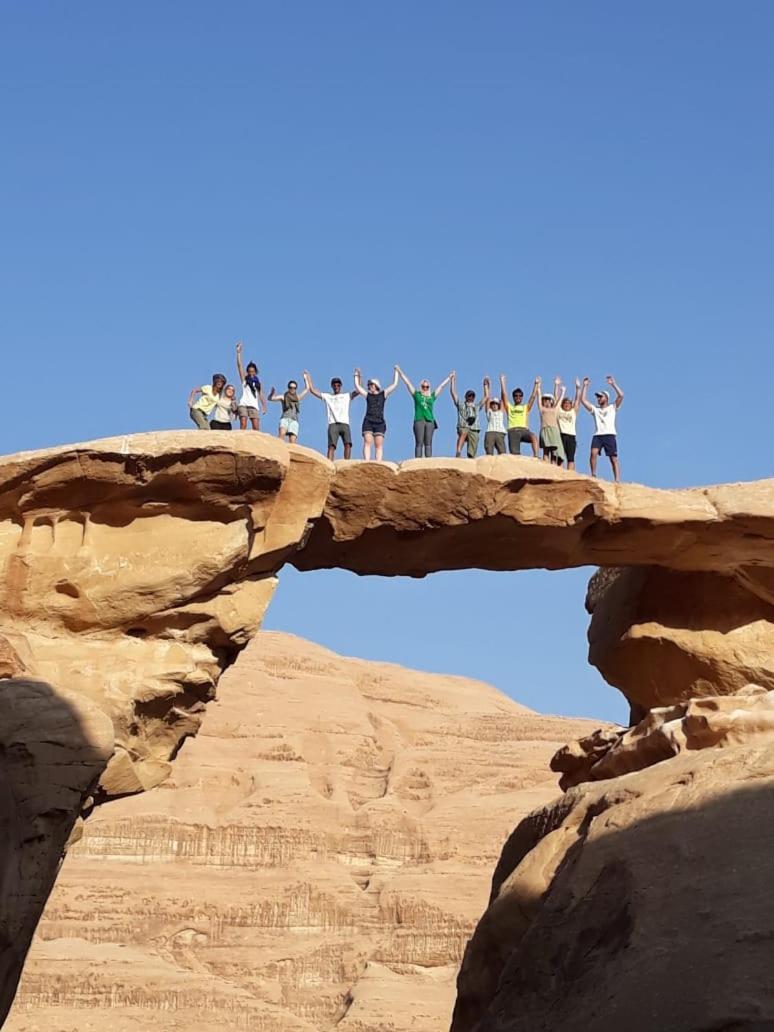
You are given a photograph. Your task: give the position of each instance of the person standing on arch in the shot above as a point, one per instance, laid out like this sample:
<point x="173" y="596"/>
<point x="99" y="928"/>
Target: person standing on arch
<point x="567" y="417"/>
<point x="209" y="398"/>
<point x="291" y="411"/>
<point x="518" y="417"/>
<point x="468" y="426"/>
<point x="425" y="423"/>
<point x="252" y="393"/>
<point x="337" y="411"/>
<point x="605" y="435"/>
<point x="374" y="426"/>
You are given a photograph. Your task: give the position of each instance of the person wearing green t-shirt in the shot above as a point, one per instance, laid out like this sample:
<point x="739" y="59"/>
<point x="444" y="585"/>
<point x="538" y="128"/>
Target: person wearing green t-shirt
<point x="424" y="413"/>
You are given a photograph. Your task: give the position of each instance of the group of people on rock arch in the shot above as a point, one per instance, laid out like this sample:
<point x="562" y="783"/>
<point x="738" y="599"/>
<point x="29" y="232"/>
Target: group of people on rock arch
<point x="505" y="421"/>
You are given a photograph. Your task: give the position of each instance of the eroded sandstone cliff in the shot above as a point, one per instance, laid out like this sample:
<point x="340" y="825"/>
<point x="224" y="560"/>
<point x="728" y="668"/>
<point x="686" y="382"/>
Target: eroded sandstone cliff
<point x="316" y="860"/>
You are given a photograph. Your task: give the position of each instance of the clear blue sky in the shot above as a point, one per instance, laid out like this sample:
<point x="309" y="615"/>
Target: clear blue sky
<point x="532" y="187"/>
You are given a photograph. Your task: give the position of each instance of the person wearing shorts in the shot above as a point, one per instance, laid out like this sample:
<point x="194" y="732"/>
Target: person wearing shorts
<point x="605" y="437"/>
<point x="224" y="410"/>
<point x="468" y="427"/>
<point x="567" y="417"/>
<point x="374" y="427"/>
<point x="208" y="398"/>
<point x="494" y="438"/>
<point x="337" y="410"/>
<point x="518" y="418"/>
<point x="291" y="411"/>
<point x="425" y="423"/>
<point x="252" y="393"/>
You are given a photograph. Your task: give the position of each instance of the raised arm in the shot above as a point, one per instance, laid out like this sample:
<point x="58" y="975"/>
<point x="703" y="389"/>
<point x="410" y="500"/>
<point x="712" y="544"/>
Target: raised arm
<point x="388" y="390"/>
<point x="442" y="384"/>
<point x="534" y="394"/>
<point x="504" y="393"/>
<point x="409" y="385"/>
<point x="192" y="395"/>
<point x="453" y="389"/>
<point x="240" y="366"/>
<point x="618" y="392"/>
<point x="310" y="387"/>
<point x="537" y="392"/>
<point x="583" y="399"/>
<point x="359" y="388"/>
<point x="273" y="396"/>
<point x="262" y="396"/>
<point x="559" y="391"/>
<point x="304" y="393"/>
<point x="485" y="400"/>
<point x="576" y="399"/>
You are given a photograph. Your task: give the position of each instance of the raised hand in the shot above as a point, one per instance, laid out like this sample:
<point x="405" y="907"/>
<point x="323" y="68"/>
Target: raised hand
<point x="557" y="380"/>
<point x="577" y="383"/>
<point x="586" y="381"/>
<point x="610" y="380"/>
<point x="239" y="347"/>
<point x="272" y="394"/>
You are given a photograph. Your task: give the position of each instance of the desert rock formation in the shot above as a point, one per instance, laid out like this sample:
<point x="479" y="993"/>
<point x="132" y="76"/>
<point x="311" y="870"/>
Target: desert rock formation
<point x="53" y="747"/>
<point x="137" y="568"/>
<point x="317" y="858"/>
<point x="642" y="901"/>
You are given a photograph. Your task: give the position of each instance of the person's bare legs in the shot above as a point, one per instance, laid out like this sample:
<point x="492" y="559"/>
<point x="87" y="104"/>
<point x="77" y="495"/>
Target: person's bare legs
<point x="243" y="422"/>
<point x="282" y="433"/>
<point x="616" y="468"/>
<point x="571" y="465"/>
<point x="534" y="442"/>
<point x="461" y="439"/>
<point x="368" y="440"/>
<point x="255" y="423"/>
<point x="593" y="461"/>
<point x="347" y="451"/>
<point x="331" y="453"/>
<point x="292" y="438"/>
<point x="379" y="445"/>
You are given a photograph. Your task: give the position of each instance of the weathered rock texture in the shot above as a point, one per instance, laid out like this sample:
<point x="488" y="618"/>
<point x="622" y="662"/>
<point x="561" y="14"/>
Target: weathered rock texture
<point x="316" y="860"/>
<point x="640" y="902"/>
<point x="664" y="636"/>
<point x="53" y="747"/>
<point x="136" y="569"/>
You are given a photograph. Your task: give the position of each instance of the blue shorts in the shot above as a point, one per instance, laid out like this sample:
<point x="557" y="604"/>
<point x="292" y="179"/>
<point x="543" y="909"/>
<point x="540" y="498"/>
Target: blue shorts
<point x="290" y="426"/>
<point x="607" y="443"/>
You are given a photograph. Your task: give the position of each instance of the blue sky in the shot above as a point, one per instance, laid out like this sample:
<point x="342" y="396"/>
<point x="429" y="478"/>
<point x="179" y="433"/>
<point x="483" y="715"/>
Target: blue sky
<point x="529" y="187"/>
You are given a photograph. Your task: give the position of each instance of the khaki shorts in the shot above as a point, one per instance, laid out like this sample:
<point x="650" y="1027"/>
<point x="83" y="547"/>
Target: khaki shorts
<point x="247" y="412"/>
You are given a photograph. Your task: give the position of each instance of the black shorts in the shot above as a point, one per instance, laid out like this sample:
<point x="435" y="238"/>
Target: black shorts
<point x="338" y="432"/>
<point x="374" y="426"/>
<point x="569" y="443"/>
<point x="607" y="443"/>
<point x="216" y="425"/>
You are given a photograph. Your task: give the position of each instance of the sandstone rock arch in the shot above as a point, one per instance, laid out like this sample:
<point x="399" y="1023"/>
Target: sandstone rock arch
<point x="137" y="568"/>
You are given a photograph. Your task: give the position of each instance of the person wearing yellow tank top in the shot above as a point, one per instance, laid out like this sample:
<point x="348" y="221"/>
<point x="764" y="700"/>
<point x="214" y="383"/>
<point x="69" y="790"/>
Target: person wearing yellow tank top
<point x="518" y="417"/>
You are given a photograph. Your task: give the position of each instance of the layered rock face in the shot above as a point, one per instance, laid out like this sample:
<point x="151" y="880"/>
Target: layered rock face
<point x="137" y="568"/>
<point x="639" y="901"/>
<point x="315" y="860"/>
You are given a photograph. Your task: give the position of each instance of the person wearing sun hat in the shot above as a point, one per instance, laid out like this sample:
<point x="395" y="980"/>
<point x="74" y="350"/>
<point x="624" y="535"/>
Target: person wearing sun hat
<point x="374" y="425"/>
<point x="605" y="435"/>
<point x="550" y="435"/>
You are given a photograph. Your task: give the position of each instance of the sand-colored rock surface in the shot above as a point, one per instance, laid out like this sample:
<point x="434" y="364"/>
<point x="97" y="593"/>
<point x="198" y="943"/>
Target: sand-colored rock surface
<point x="317" y="858"/>
<point x="666" y="636"/>
<point x="53" y="747"/>
<point x="638" y="903"/>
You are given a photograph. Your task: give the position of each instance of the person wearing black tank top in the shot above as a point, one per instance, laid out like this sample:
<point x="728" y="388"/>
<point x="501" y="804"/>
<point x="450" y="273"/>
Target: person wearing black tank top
<point x="374" y="426"/>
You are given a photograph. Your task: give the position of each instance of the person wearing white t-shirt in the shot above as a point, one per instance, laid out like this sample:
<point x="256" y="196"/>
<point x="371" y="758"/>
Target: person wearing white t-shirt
<point x="566" y="417"/>
<point x="605" y="437"/>
<point x="337" y="410"/>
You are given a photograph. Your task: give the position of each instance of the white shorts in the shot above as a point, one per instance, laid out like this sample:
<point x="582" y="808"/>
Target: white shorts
<point x="290" y="426"/>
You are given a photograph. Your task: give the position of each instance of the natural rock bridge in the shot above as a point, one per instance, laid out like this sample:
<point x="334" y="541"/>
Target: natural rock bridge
<point x="137" y="568"/>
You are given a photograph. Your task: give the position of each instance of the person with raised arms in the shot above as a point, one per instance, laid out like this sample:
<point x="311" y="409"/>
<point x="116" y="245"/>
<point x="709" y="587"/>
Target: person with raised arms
<point x="252" y="393"/>
<point x="550" y="437"/>
<point x="425" y="423"/>
<point x="337" y="411"/>
<point x="468" y="427"/>
<point x="374" y="426"/>
<point x="518" y="418"/>
<point x="605" y="435"/>
<point x="494" y="438"/>
<point x="291" y="410"/>
<point x="567" y="417"/>
<point x="209" y="396"/>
